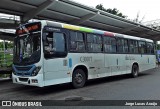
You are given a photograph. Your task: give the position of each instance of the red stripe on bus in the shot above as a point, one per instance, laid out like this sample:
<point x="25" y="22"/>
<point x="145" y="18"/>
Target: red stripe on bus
<point x="108" y="34"/>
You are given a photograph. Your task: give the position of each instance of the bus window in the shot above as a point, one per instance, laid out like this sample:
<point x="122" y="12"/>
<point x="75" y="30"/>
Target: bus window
<point x="133" y="46"/>
<point x="150" y="48"/>
<point x="90" y="41"/>
<point x="136" y="47"/>
<point x="126" y="46"/>
<point x="113" y="45"/>
<point x="120" y="45"/>
<point x="142" y="47"/>
<point x="109" y="45"/>
<point x="77" y="42"/>
<point x="54" y="45"/>
<point x="58" y="42"/>
<point x="94" y="43"/>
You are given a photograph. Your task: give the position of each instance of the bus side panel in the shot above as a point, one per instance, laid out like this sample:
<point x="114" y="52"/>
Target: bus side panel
<point x="108" y="64"/>
<point x="56" y="71"/>
<point x="93" y="61"/>
<point x="128" y="61"/>
<point x="151" y="61"/>
<point x="122" y="63"/>
<point x="143" y="64"/>
<point x="115" y="64"/>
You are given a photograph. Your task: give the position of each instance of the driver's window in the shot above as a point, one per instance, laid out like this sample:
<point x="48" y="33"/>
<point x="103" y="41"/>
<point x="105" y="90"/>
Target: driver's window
<point x="48" y="45"/>
<point x="54" y="44"/>
<point x="58" y="42"/>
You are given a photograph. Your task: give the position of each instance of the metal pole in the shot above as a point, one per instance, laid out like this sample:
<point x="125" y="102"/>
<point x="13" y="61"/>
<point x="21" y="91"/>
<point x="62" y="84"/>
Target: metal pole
<point x="4" y="51"/>
<point x="155" y="50"/>
<point x="4" y="56"/>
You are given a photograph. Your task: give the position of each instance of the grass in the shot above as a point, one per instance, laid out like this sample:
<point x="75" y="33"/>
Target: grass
<point x="4" y="75"/>
<point x="7" y="62"/>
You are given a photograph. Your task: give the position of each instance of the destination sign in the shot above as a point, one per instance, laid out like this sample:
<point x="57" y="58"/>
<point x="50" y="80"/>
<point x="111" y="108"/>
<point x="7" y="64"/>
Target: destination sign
<point x="28" y="28"/>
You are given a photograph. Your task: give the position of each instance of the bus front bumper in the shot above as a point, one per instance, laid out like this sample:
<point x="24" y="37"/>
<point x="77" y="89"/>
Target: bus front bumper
<point x="31" y="81"/>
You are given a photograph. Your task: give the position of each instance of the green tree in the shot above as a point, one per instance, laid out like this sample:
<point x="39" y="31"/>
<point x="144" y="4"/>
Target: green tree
<point x="8" y="44"/>
<point x="112" y="11"/>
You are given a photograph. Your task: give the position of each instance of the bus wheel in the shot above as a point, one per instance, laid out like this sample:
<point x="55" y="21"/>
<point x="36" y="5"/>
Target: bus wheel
<point x="135" y="70"/>
<point x="78" y="78"/>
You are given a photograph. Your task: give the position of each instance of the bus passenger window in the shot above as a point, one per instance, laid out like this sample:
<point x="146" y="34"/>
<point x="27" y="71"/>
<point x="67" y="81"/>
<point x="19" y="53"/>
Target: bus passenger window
<point x="94" y="43"/>
<point x="120" y="45"/>
<point x="133" y="46"/>
<point x="136" y="47"/>
<point x="126" y="46"/>
<point x="113" y="45"/>
<point x="90" y="41"/>
<point x="77" y="42"/>
<point x="109" y="45"/>
<point x="150" y="48"/>
<point x="142" y="47"/>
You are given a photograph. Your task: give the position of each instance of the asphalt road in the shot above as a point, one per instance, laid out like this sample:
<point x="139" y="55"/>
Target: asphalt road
<point x="144" y="87"/>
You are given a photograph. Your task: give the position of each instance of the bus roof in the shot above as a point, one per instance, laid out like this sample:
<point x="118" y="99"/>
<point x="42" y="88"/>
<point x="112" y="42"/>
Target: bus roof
<point x="91" y="30"/>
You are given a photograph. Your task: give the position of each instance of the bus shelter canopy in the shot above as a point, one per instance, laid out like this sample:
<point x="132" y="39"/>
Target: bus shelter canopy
<point x="75" y="13"/>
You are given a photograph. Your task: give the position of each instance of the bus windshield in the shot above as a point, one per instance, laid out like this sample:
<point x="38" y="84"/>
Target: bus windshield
<point x="27" y="49"/>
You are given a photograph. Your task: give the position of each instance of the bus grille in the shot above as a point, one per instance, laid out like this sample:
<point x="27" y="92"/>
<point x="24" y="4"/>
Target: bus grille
<point x="23" y="74"/>
<point x="23" y="79"/>
<point x="23" y="68"/>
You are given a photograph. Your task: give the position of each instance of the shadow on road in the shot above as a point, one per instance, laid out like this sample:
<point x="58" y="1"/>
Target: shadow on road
<point x="2" y="80"/>
<point x="50" y="89"/>
<point x="114" y="79"/>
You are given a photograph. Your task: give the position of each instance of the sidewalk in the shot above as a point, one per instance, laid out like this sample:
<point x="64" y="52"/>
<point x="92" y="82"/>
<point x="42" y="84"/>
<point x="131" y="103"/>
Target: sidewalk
<point x="4" y="79"/>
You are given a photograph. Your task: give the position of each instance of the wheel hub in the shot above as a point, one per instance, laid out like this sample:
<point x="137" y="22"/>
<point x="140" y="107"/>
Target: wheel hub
<point x="78" y="78"/>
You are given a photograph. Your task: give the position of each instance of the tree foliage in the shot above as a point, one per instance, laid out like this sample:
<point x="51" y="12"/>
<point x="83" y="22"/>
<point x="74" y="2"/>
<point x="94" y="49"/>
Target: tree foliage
<point x="7" y="44"/>
<point x="112" y="11"/>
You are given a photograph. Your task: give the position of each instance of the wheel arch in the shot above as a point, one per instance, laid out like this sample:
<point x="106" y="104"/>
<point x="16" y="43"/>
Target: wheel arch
<point x="83" y="67"/>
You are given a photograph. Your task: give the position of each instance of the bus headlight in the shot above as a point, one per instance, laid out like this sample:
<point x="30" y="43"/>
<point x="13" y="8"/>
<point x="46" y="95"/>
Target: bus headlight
<point x="36" y="70"/>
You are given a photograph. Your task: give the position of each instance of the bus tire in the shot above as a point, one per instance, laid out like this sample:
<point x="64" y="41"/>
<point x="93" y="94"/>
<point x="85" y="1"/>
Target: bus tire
<point x="78" y="78"/>
<point x="135" y="71"/>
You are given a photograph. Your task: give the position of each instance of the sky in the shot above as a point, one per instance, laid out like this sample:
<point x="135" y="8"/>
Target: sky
<point x="149" y="9"/>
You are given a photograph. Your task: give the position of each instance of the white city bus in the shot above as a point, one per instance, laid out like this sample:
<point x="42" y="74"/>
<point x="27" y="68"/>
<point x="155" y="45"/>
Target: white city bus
<point x="48" y="53"/>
